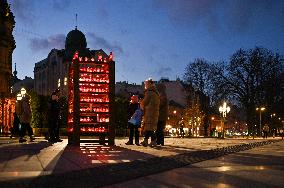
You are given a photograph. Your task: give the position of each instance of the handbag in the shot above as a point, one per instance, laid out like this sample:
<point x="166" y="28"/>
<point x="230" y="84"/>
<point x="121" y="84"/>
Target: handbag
<point x="136" y="117"/>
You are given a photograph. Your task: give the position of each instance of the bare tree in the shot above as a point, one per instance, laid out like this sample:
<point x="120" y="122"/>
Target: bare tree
<point x="252" y="78"/>
<point x="197" y="74"/>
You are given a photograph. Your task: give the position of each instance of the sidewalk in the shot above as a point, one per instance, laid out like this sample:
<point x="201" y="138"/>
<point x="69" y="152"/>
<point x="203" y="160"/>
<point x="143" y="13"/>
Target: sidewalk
<point x="41" y="164"/>
<point x="259" y="167"/>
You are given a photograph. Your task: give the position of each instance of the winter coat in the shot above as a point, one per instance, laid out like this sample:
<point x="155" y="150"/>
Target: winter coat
<point x="151" y="104"/>
<point x="164" y="105"/>
<point x="24" y="111"/>
<point x="54" y="109"/>
<point x="265" y="128"/>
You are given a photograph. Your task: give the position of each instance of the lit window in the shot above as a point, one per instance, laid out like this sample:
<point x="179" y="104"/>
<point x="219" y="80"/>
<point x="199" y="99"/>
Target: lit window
<point x="65" y="81"/>
<point x="58" y="84"/>
<point x="100" y="58"/>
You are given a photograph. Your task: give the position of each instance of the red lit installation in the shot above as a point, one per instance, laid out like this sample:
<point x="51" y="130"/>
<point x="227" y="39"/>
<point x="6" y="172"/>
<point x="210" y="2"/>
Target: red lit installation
<point x="96" y="95"/>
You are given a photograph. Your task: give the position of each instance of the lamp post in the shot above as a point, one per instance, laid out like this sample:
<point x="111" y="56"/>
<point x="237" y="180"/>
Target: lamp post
<point x="224" y="110"/>
<point x="19" y="97"/>
<point x="260" y="109"/>
<point x="23" y="92"/>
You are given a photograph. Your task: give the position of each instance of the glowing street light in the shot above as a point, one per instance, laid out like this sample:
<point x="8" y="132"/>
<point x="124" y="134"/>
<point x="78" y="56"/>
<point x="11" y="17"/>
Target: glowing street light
<point x="19" y="97"/>
<point x="260" y="109"/>
<point x="224" y="110"/>
<point x="23" y="91"/>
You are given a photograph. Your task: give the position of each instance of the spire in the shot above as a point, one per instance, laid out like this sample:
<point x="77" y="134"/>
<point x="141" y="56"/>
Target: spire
<point x="15" y="71"/>
<point x="76" y="22"/>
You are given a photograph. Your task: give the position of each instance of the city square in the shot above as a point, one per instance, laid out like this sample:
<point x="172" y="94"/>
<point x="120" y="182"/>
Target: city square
<point x="198" y="162"/>
<point x="141" y="93"/>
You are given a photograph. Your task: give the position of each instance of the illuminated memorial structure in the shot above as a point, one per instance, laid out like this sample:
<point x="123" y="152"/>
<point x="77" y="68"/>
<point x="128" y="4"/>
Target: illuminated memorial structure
<point x="91" y="94"/>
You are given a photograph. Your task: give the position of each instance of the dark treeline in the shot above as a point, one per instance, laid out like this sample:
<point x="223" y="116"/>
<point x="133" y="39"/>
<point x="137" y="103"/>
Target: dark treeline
<point x="250" y="79"/>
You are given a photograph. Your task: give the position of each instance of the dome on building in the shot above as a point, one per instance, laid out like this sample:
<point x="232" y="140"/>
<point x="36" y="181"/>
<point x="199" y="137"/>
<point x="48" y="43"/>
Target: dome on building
<point x="75" y="40"/>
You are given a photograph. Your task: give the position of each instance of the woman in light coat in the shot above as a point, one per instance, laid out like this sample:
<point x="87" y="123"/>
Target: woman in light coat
<point x="150" y="105"/>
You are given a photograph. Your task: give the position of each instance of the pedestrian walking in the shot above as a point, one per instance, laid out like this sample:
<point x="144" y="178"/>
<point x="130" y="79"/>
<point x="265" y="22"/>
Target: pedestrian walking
<point x="163" y="113"/>
<point x="181" y="131"/>
<point x="25" y="116"/>
<point x="265" y="130"/>
<point x="150" y="105"/>
<point x="281" y="133"/>
<point x="15" y="130"/>
<point x="133" y="126"/>
<point x="54" y="118"/>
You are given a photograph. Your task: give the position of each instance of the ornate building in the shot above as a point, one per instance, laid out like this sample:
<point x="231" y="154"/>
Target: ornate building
<point x="52" y="73"/>
<point x="7" y="45"/>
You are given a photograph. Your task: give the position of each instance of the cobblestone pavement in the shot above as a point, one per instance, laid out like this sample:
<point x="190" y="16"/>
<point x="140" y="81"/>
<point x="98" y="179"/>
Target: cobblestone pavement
<point x="261" y="167"/>
<point x="42" y="164"/>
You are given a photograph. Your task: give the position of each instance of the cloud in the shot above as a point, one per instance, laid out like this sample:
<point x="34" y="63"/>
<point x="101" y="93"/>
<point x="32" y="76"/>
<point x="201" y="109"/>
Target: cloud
<point x="237" y="16"/>
<point x="55" y="41"/>
<point x="187" y="11"/>
<point x="99" y="42"/>
<point x="60" y="4"/>
<point x="23" y="10"/>
<point x="164" y="71"/>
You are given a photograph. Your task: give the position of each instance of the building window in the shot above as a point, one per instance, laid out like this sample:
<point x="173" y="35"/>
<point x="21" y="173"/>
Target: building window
<point x="65" y="81"/>
<point x="58" y="84"/>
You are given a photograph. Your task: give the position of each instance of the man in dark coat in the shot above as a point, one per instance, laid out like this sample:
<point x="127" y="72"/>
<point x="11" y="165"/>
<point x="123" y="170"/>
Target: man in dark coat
<point x="163" y="113"/>
<point x="54" y="118"/>
<point x="25" y="116"/>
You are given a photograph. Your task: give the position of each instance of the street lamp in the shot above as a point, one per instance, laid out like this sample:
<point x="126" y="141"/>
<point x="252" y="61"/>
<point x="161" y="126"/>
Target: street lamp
<point x="224" y="110"/>
<point x="23" y="91"/>
<point x="19" y="97"/>
<point x="260" y="109"/>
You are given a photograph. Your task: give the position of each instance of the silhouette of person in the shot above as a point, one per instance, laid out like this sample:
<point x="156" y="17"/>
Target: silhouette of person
<point x="25" y="116"/>
<point x="54" y="118"/>
<point x="163" y="113"/>
<point x="133" y="106"/>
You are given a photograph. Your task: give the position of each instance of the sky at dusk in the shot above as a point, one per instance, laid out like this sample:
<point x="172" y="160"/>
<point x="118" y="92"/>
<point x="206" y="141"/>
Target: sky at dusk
<point x="149" y="38"/>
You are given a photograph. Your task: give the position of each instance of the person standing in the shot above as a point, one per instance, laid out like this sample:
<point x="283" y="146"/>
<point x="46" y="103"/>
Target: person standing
<point x="25" y="115"/>
<point x="15" y="129"/>
<point x="150" y="105"/>
<point x="54" y="118"/>
<point x="163" y="113"/>
<point x="133" y="106"/>
<point x="181" y="131"/>
<point x="265" y="131"/>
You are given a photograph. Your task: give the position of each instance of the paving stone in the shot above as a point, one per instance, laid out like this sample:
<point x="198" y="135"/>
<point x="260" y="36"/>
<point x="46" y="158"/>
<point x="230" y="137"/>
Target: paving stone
<point x="71" y="164"/>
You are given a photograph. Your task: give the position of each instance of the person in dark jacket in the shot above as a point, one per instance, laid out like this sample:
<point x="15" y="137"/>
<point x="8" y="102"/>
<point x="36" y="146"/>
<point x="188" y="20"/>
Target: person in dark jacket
<point x="25" y="116"/>
<point x="54" y="118"/>
<point x="163" y="113"/>
<point x="15" y="129"/>
<point x="133" y="105"/>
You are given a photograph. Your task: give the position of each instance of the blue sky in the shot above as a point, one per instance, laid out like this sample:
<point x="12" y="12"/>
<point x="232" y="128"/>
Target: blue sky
<point x="149" y="38"/>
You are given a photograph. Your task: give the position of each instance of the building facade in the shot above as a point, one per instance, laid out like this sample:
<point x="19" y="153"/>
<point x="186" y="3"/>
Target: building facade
<point x="52" y="72"/>
<point x="7" y="46"/>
